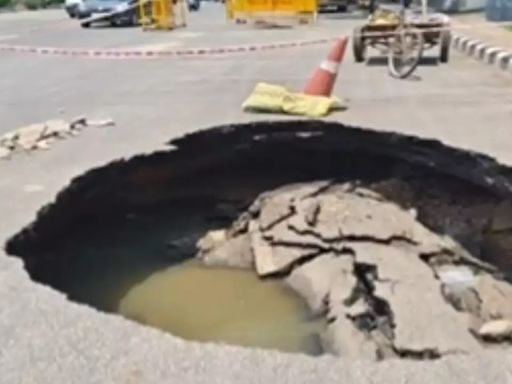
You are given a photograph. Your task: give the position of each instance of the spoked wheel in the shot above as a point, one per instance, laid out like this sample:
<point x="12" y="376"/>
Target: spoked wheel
<point x="405" y="52"/>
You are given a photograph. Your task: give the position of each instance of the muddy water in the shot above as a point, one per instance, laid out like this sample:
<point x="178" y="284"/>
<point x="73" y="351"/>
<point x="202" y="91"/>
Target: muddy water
<point x="223" y="305"/>
<point x="125" y="265"/>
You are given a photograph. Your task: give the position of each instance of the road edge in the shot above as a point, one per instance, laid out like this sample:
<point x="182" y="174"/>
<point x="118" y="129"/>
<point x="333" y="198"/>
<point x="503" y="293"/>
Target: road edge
<point x="486" y="53"/>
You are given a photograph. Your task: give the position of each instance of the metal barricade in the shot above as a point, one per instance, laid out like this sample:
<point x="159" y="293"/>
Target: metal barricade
<point x="162" y="14"/>
<point x="269" y="10"/>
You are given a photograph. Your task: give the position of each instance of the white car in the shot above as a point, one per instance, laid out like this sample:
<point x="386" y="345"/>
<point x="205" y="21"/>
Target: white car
<point x="72" y="7"/>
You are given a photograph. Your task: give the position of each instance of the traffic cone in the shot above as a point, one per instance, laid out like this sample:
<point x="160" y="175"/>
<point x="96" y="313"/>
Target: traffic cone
<point x="322" y="82"/>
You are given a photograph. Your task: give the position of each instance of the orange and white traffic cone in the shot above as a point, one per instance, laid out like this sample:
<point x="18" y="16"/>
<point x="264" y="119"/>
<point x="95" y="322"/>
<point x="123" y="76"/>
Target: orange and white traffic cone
<point x="322" y="82"/>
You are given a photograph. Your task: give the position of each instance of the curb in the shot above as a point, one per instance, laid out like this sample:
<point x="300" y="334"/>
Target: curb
<point x="484" y="52"/>
<point x="156" y="54"/>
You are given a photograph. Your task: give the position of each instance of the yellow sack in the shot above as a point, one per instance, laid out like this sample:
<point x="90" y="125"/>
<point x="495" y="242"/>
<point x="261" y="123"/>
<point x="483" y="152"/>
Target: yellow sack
<point x="277" y="99"/>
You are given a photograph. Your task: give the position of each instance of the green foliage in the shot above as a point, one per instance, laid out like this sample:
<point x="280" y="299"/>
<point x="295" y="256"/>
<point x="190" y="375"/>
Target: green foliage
<point x="32" y="4"/>
<point x="4" y="3"/>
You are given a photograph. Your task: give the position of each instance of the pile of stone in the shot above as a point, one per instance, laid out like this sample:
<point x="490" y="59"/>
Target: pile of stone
<point x="42" y="135"/>
<point x="386" y="285"/>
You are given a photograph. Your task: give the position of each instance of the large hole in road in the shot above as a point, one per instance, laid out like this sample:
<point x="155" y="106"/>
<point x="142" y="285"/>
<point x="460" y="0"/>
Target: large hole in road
<point x="302" y="236"/>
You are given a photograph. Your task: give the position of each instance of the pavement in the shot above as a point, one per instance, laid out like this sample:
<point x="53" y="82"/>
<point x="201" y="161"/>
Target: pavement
<point x="475" y="26"/>
<point x="46" y="339"/>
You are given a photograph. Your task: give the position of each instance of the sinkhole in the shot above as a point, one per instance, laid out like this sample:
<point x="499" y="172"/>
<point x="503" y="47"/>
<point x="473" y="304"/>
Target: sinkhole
<point x="300" y="236"/>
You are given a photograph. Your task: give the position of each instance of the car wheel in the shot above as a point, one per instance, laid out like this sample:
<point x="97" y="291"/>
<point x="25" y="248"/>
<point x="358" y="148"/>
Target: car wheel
<point x="86" y="25"/>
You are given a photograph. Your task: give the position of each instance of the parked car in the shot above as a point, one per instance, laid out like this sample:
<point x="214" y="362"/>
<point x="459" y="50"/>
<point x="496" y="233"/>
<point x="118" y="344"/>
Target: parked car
<point x="333" y="5"/>
<point x="117" y="12"/>
<point x="71" y="7"/>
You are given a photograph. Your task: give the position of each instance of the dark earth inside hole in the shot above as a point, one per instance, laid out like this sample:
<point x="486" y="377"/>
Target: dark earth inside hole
<point x="118" y="226"/>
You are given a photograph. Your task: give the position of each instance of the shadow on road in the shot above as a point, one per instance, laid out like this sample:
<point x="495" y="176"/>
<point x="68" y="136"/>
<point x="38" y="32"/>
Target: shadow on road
<point x="381" y="61"/>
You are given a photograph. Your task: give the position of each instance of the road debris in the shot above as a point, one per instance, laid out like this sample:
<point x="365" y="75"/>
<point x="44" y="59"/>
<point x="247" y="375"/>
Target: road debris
<point x="100" y="123"/>
<point x="496" y="330"/>
<point x="387" y="284"/>
<point x="4" y="153"/>
<point x="42" y="135"/>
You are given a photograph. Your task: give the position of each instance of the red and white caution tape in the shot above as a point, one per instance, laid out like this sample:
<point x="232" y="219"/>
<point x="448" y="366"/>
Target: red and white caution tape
<point x="155" y="53"/>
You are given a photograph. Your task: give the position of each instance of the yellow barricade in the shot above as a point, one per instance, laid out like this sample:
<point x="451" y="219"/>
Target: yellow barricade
<point x="262" y="9"/>
<point x="162" y="14"/>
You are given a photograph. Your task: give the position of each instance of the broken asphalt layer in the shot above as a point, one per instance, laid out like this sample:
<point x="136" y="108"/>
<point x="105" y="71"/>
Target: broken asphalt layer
<point x="54" y="341"/>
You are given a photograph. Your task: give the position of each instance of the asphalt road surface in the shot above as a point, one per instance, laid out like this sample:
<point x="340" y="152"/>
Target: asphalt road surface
<point x="46" y="339"/>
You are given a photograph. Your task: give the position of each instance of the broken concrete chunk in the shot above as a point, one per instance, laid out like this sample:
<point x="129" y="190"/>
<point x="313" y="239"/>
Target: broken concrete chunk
<point x="57" y="128"/>
<point x="360" y="260"/>
<point x="4" y="153"/>
<point x="286" y="233"/>
<point x="456" y="276"/>
<point x="234" y="252"/>
<point x="29" y="136"/>
<point x="101" y="123"/>
<point x="300" y="191"/>
<point x="263" y="255"/>
<point x="342" y="338"/>
<point x="78" y="122"/>
<point x="314" y="280"/>
<point x="442" y="250"/>
<point x="273" y="259"/>
<point x="496" y="330"/>
<point x="42" y="144"/>
<point x="495" y="296"/>
<point x="342" y="293"/>
<point x="240" y="225"/>
<point x="270" y="259"/>
<point x="275" y="210"/>
<point x="311" y="213"/>
<point x="423" y="319"/>
<point x="8" y="140"/>
<point x="462" y="299"/>
<point x="211" y="240"/>
<point x="352" y="216"/>
<point x="458" y="287"/>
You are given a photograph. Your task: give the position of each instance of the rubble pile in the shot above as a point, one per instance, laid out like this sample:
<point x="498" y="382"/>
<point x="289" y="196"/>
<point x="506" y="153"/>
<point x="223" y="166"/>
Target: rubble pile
<point x="42" y="135"/>
<point x="386" y="284"/>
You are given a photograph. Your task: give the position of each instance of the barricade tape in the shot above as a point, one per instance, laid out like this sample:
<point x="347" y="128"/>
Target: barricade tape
<point x="155" y="53"/>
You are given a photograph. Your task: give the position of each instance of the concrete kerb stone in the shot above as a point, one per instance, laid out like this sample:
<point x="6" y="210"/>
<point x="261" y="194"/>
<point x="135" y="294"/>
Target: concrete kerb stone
<point x="492" y="55"/>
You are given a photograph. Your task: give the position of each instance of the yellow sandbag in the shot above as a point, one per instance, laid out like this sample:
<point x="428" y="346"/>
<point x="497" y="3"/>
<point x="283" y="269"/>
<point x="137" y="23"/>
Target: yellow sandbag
<point x="277" y="99"/>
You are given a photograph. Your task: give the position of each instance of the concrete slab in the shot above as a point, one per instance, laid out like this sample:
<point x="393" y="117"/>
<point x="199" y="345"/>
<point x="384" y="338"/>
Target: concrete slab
<point x="423" y="319"/>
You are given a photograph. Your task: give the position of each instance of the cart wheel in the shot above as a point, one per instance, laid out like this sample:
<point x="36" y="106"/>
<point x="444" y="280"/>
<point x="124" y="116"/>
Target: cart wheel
<point x="445" y="41"/>
<point x="405" y="53"/>
<point x="358" y="47"/>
